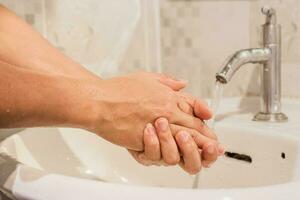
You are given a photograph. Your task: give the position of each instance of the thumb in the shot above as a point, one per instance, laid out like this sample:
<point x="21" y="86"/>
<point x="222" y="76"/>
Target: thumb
<point x="200" y="107"/>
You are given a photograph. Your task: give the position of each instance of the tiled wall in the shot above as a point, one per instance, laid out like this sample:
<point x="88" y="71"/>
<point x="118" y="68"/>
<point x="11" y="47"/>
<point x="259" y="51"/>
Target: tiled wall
<point x="198" y="35"/>
<point x="95" y="33"/>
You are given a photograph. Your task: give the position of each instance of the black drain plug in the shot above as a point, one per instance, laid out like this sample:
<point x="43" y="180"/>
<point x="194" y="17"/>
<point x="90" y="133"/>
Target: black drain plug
<point x="237" y="156"/>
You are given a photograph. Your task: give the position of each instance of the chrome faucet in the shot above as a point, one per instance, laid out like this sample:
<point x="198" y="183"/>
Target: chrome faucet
<point x="269" y="56"/>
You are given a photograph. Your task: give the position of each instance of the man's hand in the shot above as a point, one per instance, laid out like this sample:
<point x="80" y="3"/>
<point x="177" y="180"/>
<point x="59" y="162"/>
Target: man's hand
<point x="124" y="106"/>
<point x="63" y="93"/>
<point x="161" y="148"/>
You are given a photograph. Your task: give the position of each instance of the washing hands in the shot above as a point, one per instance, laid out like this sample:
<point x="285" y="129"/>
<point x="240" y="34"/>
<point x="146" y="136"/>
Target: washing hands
<point x="146" y="113"/>
<point x="191" y="150"/>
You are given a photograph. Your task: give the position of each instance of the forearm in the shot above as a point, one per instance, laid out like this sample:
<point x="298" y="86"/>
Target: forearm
<point x="24" y="47"/>
<point x="30" y="99"/>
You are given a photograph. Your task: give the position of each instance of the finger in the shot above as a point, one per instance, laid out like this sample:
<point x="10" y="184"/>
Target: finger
<point x="202" y="140"/>
<point x="151" y="143"/>
<point x="183" y="119"/>
<point x="221" y="150"/>
<point x="191" y="157"/>
<point x="208" y="132"/>
<point x="168" y="145"/>
<point x="209" y="154"/>
<point x="185" y="107"/>
<point x="171" y="82"/>
<point x="141" y="158"/>
<point x="202" y="110"/>
<point x="137" y="156"/>
<point x="200" y="107"/>
<point x="199" y="138"/>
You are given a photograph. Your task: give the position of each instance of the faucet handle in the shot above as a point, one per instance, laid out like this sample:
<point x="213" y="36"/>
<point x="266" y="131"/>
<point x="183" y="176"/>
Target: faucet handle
<point x="270" y="15"/>
<point x="267" y="10"/>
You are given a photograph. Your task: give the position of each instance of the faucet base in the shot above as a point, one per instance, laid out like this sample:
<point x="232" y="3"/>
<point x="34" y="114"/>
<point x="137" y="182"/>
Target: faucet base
<point x="275" y="117"/>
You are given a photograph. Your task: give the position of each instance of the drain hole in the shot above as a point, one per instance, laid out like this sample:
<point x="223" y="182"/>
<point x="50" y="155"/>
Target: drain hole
<point x="283" y="155"/>
<point x="238" y="156"/>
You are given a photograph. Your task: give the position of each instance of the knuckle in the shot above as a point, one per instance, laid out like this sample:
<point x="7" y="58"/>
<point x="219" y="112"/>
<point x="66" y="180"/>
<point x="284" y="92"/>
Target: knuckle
<point x="199" y="124"/>
<point x="194" y="133"/>
<point x="168" y="110"/>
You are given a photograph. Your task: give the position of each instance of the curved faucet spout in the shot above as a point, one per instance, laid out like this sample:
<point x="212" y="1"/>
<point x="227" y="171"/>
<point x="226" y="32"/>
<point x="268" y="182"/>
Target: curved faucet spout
<point x="269" y="56"/>
<point x="255" y="55"/>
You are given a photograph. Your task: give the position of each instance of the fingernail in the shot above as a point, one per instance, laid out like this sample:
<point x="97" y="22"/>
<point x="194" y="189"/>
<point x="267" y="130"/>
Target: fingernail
<point x="210" y="149"/>
<point x="184" y="136"/>
<point x="163" y="125"/>
<point x="150" y="129"/>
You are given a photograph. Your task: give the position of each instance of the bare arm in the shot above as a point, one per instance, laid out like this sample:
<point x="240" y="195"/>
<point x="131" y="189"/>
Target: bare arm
<point x="40" y="86"/>
<point x="32" y="99"/>
<point x="24" y="47"/>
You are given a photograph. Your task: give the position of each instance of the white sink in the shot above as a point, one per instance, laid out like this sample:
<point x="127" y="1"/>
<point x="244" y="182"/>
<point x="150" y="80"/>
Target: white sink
<point x="269" y="153"/>
<point x="267" y="159"/>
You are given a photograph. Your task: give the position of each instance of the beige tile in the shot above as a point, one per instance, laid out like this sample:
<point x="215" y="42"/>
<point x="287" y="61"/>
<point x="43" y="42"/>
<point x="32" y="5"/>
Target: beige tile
<point x="197" y="36"/>
<point x="202" y="35"/>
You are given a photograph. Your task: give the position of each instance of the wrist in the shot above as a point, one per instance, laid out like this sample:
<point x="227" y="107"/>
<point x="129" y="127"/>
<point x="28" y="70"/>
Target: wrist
<point x="82" y="109"/>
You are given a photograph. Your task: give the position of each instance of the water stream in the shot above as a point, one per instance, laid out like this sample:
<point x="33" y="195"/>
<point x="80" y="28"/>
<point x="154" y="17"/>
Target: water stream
<point x="214" y="105"/>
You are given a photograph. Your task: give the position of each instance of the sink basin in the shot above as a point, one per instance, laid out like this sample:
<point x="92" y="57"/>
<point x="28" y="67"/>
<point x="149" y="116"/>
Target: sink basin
<point x="78" y="153"/>
<point x="260" y="157"/>
<point x="256" y="158"/>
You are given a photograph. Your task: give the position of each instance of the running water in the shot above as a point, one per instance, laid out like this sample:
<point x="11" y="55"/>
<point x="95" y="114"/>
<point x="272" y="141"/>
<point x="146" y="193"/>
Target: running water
<point x="214" y="105"/>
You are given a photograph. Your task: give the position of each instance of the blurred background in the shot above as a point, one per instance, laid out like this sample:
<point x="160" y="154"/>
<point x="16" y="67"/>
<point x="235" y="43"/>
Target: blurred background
<point x="188" y="39"/>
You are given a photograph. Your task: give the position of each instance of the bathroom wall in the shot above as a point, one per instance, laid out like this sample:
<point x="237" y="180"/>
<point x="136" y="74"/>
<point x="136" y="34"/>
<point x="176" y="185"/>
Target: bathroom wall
<point x="198" y="35"/>
<point x="107" y="37"/>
